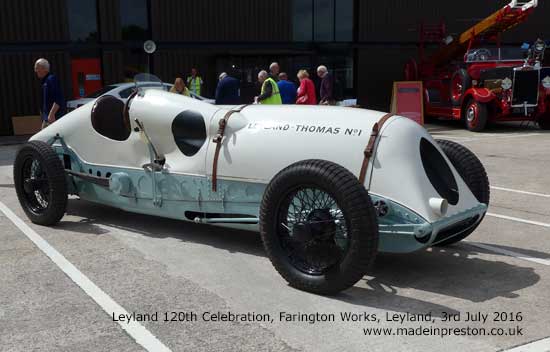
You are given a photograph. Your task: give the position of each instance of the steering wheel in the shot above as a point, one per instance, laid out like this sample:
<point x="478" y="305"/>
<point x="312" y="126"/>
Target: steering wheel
<point x="482" y="55"/>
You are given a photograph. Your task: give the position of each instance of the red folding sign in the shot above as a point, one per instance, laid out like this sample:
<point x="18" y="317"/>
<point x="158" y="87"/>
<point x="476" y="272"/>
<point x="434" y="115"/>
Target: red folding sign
<point x="407" y="100"/>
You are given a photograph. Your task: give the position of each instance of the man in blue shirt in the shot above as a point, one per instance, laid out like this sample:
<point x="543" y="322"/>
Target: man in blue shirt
<point x="228" y="90"/>
<point x="53" y="102"/>
<point x="287" y="89"/>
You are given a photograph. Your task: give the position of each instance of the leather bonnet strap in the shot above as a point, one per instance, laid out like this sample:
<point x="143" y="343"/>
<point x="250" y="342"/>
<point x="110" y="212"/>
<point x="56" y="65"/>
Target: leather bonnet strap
<point x="222" y="124"/>
<point x="369" y="150"/>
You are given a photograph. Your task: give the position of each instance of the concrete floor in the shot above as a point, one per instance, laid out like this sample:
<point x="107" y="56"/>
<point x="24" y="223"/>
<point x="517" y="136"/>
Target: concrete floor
<point x="147" y="264"/>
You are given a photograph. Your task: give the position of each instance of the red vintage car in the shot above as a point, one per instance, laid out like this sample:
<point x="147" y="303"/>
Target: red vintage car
<point x="495" y="84"/>
<point x="476" y="82"/>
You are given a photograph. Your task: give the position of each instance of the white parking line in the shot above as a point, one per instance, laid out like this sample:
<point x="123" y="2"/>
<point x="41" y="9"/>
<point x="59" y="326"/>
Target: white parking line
<point x="139" y="333"/>
<point x="536" y="346"/>
<point x="511" y="218"/>
<point x="509" y="253"/>
<point x="521" y="192"/>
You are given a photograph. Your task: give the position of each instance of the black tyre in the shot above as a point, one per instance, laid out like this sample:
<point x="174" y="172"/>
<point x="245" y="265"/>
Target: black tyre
<point x="318" y="226"/>
<point x="472" y="172"/>
<point x="460" y="83"/>
<point x="544" y="122"/>
<point x="40" y="183"/>
<point x="475" y="115"/>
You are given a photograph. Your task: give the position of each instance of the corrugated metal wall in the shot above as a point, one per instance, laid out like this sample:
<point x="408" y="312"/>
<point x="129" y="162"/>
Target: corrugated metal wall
<point x="375" y="77"/>
<point x="33" y="21"/>
<point x="109" y="20"/>
<point x="112" y="65"/>
<point x="215" y="20"/>
<point x="20" y="88"/>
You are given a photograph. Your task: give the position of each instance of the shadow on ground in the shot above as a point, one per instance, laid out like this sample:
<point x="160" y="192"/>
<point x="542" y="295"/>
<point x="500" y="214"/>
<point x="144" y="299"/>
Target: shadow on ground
<point x="455" y="271"/>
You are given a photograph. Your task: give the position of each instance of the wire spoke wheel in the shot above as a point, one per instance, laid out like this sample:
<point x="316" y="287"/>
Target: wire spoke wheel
<point x="35" y="185"/>
<point x="40" y="183"/>
<point x="318" y="226"/>
<point x="313" y="230"/>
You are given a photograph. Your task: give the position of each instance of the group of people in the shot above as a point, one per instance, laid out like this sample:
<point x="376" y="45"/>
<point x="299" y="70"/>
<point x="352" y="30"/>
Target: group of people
<point x="194" y="83"/>
<point x="227" y="91"/>
<point x="278" y="89"/>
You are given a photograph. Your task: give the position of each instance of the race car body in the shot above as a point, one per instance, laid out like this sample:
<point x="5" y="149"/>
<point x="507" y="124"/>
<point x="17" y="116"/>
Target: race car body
<point x="328" y="186"/>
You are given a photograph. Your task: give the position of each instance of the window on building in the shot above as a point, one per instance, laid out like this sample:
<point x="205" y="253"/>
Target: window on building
<point x="322" y="20"/>
<point x="82" y="15"/>
<point x="343" y="30"/>
<point x="340" y="63"/>
<point x="302" y="20"/>
<point x="134" y="20"/>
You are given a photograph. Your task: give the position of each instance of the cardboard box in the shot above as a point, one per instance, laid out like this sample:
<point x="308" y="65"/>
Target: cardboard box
<point x="25" y="125"/>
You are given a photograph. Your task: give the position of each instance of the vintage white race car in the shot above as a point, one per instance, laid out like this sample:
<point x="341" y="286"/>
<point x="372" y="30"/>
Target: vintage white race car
<point x="329" y="187"/>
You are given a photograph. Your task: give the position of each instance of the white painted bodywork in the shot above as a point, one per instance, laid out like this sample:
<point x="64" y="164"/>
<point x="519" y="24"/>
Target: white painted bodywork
<point x="262" y="140"/>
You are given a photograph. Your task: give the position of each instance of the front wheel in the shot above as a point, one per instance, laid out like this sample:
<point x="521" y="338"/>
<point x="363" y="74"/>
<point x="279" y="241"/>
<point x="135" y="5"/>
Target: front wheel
<point x="40" y="183"/>
<point x="318" y="226"/>
<point x="544" y="122"/>
<point x="475" y="115"/>
<point x="470" y="168"/>
<point x="460" y="83"/>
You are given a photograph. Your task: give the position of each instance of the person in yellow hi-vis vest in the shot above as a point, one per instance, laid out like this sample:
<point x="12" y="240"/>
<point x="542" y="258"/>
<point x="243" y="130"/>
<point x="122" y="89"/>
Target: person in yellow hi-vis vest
<point x="270" y="90"/>
<point x="195" y="82"/>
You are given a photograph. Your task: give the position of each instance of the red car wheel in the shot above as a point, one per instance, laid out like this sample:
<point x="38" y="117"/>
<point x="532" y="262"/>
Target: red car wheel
<point x="460" y="83"/>
<point x="544" y="122"/>
<point x="475" y="116"/>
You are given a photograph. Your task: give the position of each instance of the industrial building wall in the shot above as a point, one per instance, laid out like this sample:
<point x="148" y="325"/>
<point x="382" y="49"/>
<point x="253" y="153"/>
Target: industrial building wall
<point x="109" y="20"/>
<point x="219" y="21"/>
<point x="28" y="22"/>
<point x="33" y="21"/>
<point x="207" y="33"/>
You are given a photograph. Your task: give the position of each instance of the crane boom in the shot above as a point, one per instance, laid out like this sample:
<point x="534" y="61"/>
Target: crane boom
<point x="502" y="20"/>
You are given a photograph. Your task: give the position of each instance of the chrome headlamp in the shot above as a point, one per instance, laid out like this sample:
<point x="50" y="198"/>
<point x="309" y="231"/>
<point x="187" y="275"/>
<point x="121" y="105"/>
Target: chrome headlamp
<point x="546" y="82"/>
<point x="506" y="83"/>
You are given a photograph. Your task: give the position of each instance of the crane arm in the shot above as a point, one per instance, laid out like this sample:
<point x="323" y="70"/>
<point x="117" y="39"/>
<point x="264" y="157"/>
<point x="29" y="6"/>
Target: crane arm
<point x="502" y="20"/>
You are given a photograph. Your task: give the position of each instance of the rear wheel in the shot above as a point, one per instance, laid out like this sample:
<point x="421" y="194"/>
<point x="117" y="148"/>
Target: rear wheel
<point x="475" y="115"/>
<point x="319" y="227"/>
<point x="40" y="183"/>
<point x="470" y="168"/>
